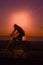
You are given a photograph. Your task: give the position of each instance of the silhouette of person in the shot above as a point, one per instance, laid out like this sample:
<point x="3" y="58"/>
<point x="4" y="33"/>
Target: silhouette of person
<point x="19" y="30"/>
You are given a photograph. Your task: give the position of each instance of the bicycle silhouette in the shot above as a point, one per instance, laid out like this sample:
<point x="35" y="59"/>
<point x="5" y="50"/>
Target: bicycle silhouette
<point x="16" y="37"/>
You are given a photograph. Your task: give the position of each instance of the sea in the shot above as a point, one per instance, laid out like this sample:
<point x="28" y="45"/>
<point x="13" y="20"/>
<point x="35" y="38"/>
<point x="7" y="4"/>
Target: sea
<point x="30" y="38"/>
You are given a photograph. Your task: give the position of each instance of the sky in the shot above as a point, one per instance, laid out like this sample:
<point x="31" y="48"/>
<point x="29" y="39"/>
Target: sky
<point x="26" y="13"/>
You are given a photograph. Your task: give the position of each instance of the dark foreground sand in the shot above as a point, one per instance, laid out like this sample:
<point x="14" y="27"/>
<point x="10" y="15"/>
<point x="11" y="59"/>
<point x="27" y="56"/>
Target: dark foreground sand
<point x="32" y="53"/>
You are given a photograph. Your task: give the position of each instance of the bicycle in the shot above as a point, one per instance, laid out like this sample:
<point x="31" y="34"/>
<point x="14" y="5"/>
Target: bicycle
<point x="14" y="47"/>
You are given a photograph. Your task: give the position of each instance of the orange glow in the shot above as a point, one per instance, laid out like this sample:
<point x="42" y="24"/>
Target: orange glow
<point x="25" y="20"/>
<point x="21" y="18"/>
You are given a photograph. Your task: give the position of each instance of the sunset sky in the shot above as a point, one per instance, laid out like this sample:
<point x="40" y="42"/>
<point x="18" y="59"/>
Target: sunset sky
<point x="26" y="13"/>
